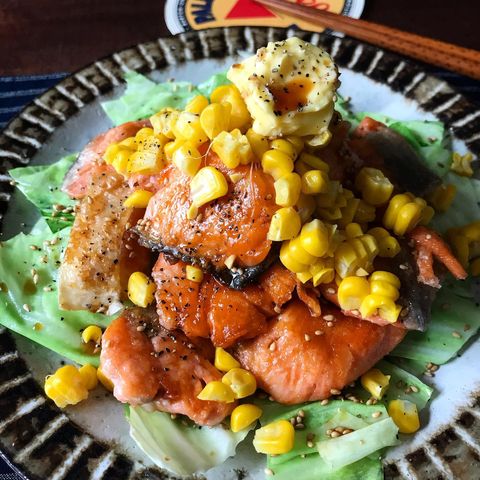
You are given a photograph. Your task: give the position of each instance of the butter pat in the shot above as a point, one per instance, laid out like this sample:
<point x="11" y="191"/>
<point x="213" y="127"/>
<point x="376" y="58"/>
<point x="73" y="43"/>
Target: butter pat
<point x="289" y="89"/>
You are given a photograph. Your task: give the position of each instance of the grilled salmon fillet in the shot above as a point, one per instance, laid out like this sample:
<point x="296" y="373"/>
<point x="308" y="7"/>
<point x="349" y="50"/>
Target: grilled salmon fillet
<point x="148" y="364"/>
<point x="310" y="358"/>
<point x="235" y="224"/>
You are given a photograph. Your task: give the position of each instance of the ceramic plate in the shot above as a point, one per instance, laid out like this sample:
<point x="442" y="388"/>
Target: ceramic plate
<point x="91" y="441"/>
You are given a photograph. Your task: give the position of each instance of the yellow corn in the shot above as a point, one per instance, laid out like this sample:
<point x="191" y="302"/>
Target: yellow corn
<point x="138" y="199"/>
<point x="408" y="218"/>
<point x="329" y="198"/>
<point x="330" y="214"/>
<point x="197" y="104"/>
<point x="314" y="181"/>
<point x="322" y="271"/>
<point x="387" y="277"/>
<point x="349" y="211"/>
<point x="242" y="382"/>
<point x="287" y="189"/>
<point x="121" y="161"/>
<point x="240" y="117"/>
<point x="442" y="197"/>
<point x="377" y="287"/>
<point x="375" y="188"/>
<point x="352" y="291"/>
<point x="143" y="134"/>
<point x="67" y="386"/>
<point x="104" y="380"/>
<point x="276" y="163"/>
<point x="306" y="205"/>
<point x="427" y="214"/>
<point x="375" y="382"/>
<point x="462" y="164"/>
<point x="383" y="306"/>
<point x="460" y="245"/>
<point x="215" y="119"/>
<point x="194" y="274"/>
<point x="297" y="251"/>
<point x="305" y="276"/>
<point x="208" y="184"/>
<point x="301" y="168"/>
<point x="346" y="260"/>
<point x="148" y="159"/>
<point x="289" y="261"/>
<point x="360" y="250"/>
<point x="365" y="213"/>
<point x="170" y="147"/>
<point x="112" y="151"/>
<point x="405" y="415"/>
<point x="216" y="391"/>
<point x="164" y="121"/>
<point x="224" y="361"/>
<point x="297" y="143"/>
<point x="187" y="159"/>
<point x="233" y="148"/>
<point x="140" y="289"/>
<point x="394" y="206"/>
<point x="89" y="375"/>
<point x="314" y="162"/>
<point x="285" y="224"/>
<point x="314" y="238"/>
<point x="475" y="267"/>
<point x="371" y="245"/>
<point x="235" y="177"/>
<point x="92" y="334"/>
<point x="129" y="143"/>
<point x="188" y="127"/>
<point x="258" y="143"/>
<point x="353" y="230"/>
<point x="274" y="438"/>
<point x="471" y="231"/>
<point x="284" y="146"/>
<point x="388" y="246"/>
<point x="243" y="416"/>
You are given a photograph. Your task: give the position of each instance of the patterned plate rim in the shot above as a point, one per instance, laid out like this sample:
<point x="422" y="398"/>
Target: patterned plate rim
<point x="47" y="443"/>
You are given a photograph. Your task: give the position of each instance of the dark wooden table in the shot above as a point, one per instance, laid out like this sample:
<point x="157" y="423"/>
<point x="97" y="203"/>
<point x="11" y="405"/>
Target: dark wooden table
<point x="43" y="36"/>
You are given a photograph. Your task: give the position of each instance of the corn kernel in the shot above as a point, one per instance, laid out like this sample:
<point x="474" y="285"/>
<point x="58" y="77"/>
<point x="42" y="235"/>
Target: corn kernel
<point x="129" y="143"/>
<point x="194" y="274"/>
<point x="287" y="190"/>
<point x="408" y="218"/>
<point x="322" y="271"/>
<point x="66" y="386"/>
<point x="275" y="438"/>
<point x="104" y="380"/>
<point x="314" y="238"/>
<point x="383" y="306"/>
<point x="89" y="375"/>
<point x="121" y="160"/>
<point x="394" y="206"/>
<point x="297" y="251"/>
<point x="462" y="164"/>
<point x="387" y="277"/>
<point x="471" y="231"/>
<point x="164" y="121"/>
<point x="379" y="233"/>
<point x="208" y="184"/>
<point x="346" y="261"/>
<point x="276" y="163"/>
<point x="360" y="250"/>
<point x="405" y="415"/>
<point x="289" y="261"/>
<point x="370" y="244"/>
<point x="92" y="334"/>
<point x="188" y="127"/>
<point x="305" y="276"/>
<point x="215" y="119"/>
<point x="352" y="291"/>
<point x="427" y="215"/>
<point x="170" y="148"/>
<point x="320" y="140"/>
<point x="297" y="143"/>
<point x="138" y="199"/>
<point x="243" y="416"/>
<point x="314" y="162"/>
<point x="241" y="381"/>
<point x="475" y="267"/>
<point x="377" y="287"/>
<point x="375" y="188"/>
<point x="314" y="181"/>
<point x="148" y="161"/>
<point x="140" y="289"/>
<point x="353" y="230"/>
<point x="328" y="199"/>
<point x="330" y="214"/>
<point x="233" y="148"/>
<point x="375" y="382"/>
<point x="349" y="211"/>
<point x="365" y="213"/>
<point x="284" y="146"/>
<point x="285" y="224"/>
<point x="258" y="143"/>
<point x="216" y="391"/>
<point x="224" y="361"/>
<point x="388" y="247"/>
<point x="306" y="205"/>
<point x="442" y="197"/>
<point x="187" y="159"/>
<point x="239" y="117"/>
<point x="197" y="104"/>
<point x="111" y="152"/>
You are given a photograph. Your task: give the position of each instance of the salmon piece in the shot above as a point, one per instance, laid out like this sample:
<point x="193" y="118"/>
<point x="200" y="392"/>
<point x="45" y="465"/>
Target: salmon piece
<point x="429" y="244"/>
<point x="148" y="364"/>
<point x="297" y="370"/>
<point x="90" y="161"/>
<point x="236" y="224"/>
<point x="101" y="254"/>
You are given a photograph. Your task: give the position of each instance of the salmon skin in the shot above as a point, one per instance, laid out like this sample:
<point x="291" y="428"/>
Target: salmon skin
<point x="209" y="309"/>
<point x="150" y="365"/>
<point x="233" y="226"/>
<point x="309" y="359"/>
<point x="375" y="142"/>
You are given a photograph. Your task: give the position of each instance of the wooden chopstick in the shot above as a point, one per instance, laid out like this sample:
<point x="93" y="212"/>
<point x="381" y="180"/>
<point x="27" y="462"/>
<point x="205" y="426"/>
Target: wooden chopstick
<point x="443" y="54"/>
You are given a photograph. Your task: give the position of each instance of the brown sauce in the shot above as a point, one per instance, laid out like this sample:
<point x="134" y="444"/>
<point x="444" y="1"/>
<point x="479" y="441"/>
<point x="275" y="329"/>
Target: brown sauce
<point x="292" y="95"/>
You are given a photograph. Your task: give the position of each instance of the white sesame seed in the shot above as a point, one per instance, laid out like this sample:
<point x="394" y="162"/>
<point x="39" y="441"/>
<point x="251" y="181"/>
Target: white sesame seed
<point x="26" y="307"/>
<point x="34" y="247"/>
<point x="456" y="335"/>
<point x="335" y="391"/>
<point x="329" y="324"/>
<point x="268" y="471"/>
<point x="324" y="402"/>
<point x="307" y="337"/>
<point x="414" y="388"/>
<point x="47" y="289"/>
<point x="318" y="332"/>
<point x="331" y="291"/>
<point x="376" y="414"/>
<point x="335" y="434"/>
<point x="272" y="346"/>
<point x="35" y="278"/>
<point x="403" y="267"/>
<point x="277" y="309"/>
<point x="328" y="317"/>
<point x="310" y="444"/>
